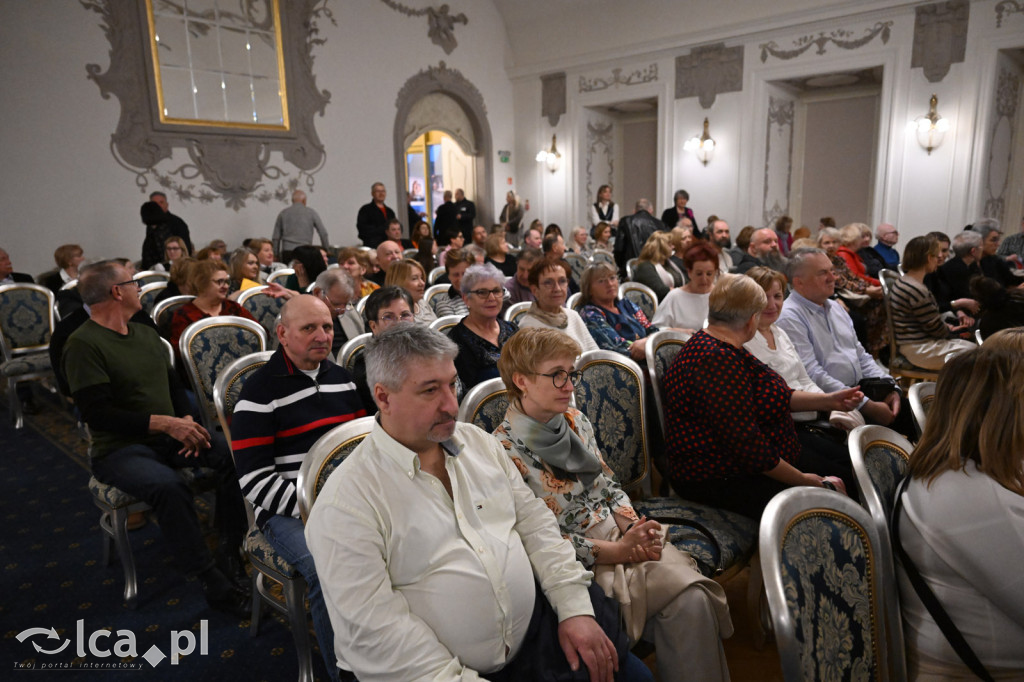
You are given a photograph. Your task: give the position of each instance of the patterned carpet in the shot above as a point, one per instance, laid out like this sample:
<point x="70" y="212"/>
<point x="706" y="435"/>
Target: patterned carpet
<point x="54" y="578"/>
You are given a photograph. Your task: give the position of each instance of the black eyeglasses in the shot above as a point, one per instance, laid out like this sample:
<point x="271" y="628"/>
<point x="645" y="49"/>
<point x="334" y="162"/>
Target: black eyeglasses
<point x="488" y="293"/>
<point x="559" y="377"/>
<point x="135" y="282"/>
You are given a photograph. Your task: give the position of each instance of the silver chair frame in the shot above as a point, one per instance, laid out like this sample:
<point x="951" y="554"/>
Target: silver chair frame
<point x="445" y="322"/>
<point x="350" y="348"/>
<point x="7" y="353"/>
<point x="517" y="310"/>
<point x="921" y="396"/>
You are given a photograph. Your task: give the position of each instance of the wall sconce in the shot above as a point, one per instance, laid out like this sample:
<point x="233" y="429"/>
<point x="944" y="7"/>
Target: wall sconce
<point x="931" y="128"/>
<point x="703" y="146"/>
<point x="550" y="157"/>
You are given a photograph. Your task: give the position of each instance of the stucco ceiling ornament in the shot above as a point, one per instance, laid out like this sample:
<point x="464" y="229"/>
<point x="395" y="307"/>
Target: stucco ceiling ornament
<point x="940" y="37"/>
<point x="1006" y="8"/>
<point x="839" y="37"/>
<point x="709" y="71"/>
<point x="635" y="77"/>
<point x="441" y="22"/>
<point x="224" y="161"/>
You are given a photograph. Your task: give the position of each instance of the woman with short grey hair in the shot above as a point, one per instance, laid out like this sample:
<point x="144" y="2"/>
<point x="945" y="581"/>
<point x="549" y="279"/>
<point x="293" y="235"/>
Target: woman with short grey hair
<point x="481" y="333"/>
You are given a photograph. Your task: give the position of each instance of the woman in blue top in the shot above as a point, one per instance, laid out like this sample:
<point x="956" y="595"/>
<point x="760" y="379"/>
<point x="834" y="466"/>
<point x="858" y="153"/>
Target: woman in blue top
<point x="615" y="323"/>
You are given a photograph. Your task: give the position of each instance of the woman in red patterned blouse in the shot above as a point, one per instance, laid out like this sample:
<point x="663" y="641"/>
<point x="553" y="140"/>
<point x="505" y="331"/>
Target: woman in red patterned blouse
<point x="210" y="282"/>
<point x="731" y="438"/>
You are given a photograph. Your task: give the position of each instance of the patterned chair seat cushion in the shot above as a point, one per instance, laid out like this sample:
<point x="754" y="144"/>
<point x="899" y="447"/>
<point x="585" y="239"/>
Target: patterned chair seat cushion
<point x="261" y="553"/>
<point x="26" y="364"/>
<point x="887" y="466"/>
<point x="110" y="496"/>
<point x="901" y="364"/>
<point x="736" y="534"/>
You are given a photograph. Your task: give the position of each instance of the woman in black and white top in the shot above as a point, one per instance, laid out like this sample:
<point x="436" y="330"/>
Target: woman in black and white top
<point x="604" y="209"/>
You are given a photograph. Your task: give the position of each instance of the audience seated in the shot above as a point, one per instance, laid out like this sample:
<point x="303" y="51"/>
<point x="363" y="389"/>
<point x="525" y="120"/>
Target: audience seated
<point x="451" y="303"/>
<point x="680" y="239"/>
<point x="962" y="308"/>
<point x="822" y="333"/>
<point x="388" y="253"/>
<point x="784" y="232"/>
<point x="602" y="238"/>
<point x="518" y="285"/>
<point x="337" y="290"/>
<point x="426" y="254"/>
<point x="356" y="264"/>
<point x="730" y="437"/>
<point x="634" y="231"/>
<point x="763" y="250"/>
<point x="177" y="285"/>
<point x="922" y="335"/>
<point x="554" y="448"/>
<point x="962" y="517"/>
<point x="409" y="275"/>
<point x="496" y="249"/>
<point x="308" y="263"/>
<point x="1001" y="308"/>
<point x="277" y="419"/>
<point x="121" y="380"/>
<point x="7" y="273"/>
<point x="654" y="267"/>
<point x="480" y="335"/>
<point x="245" y="271"/>
<point x="264" y="250"/>
<point x="549" y="283"/>
<point x="853" y="237"/>
<point x="615" y="323"/>
<point x="956" y="273"/>
<point x="456" y="242"/>
<point x="993" y="265"/>
<point x="210" y="281"/>
<point x="742" y="244"/>
<point x="865" y="302"/>
<point x="386" y="306"/>
<point x="882" y="255"/>
<point x="68" y="257"/>
<point x="1012" y="247"/>
<point x="686" y="307"/>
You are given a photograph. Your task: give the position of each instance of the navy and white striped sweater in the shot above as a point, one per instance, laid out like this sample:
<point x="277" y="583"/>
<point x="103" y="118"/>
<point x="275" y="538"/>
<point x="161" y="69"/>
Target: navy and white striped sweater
<point x="280" y="414"/>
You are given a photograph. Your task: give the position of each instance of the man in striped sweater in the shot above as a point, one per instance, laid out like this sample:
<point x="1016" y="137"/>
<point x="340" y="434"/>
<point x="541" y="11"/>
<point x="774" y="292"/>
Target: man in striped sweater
<point x="284" y="408"/>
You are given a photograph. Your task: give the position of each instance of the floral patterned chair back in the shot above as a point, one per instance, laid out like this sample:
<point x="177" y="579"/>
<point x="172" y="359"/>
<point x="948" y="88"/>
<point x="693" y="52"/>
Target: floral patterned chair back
<point x="578" y="264"/>
<point x="921" y="395"/>
<point x="613" y="396"/>
<point x="661" y="349"/>
<point x="485" y="404"/>
<point x="211" y="344"/>
<point x="831" y="589"/>
<point x="26" y="323"/>
<point x="880" y="457"/>
<point x="602" y="256"/>
<point x="229" y="383"/>
<point x="642" y="295"/>
<point x="164" y="311"/>
<point x="148" y="294"/>
<point x="263" y="307"/>
<point x="325" y="456"/>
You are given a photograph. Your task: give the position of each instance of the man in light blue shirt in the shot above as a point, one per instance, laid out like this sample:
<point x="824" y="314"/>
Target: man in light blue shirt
<point x="822" y="332"/>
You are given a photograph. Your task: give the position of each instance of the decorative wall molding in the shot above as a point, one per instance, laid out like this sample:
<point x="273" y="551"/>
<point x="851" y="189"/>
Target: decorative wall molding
<point x="709" y="71"/>
<point x="441" y="29"/>
<point x="635" y="77"/>
<point x="1001" y="143"/>
<point x="552" y="96"/>
<point x="940" y="37"/>
<point x="780" y="122"/>
<point x="452" y="84"/>
<point x="228" y="162"/>
<point x="839" y="37"/>
<point x="600" y="140"/>
<point x="1006" y="8"/>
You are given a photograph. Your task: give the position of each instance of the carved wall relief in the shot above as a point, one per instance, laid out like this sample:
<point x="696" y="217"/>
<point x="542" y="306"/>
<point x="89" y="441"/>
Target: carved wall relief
<point x="840" y="38"/>
<point x="709" y="71"/>
<point x="1001" y="143"/>
<point x="552" y="97"/>
<point x="940" y="37"/>
<point x="599" y="168"/>
<point x="441" y="24"/>
<point x="615" y="79"/>
<point x="778" y="159"/>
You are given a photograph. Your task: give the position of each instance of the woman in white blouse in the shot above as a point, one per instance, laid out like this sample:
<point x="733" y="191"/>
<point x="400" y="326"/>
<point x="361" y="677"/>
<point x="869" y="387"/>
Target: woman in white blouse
<point x="604" y="209"/>
<point x="962" y="517"/>
<point x="686" y="308"/>
<point x="549" y="283"/>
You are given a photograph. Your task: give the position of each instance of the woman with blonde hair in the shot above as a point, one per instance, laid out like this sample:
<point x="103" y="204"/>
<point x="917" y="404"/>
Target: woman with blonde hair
<point x="512" y="217"/>
<point x="357" y="264"/>
<point x="616" y="323"/>
<point x="554" y="448"/>
<point x="960" y="521"/>
<point x="680" y="239"/>
<point x="496" y="249"/>
<point x="410" y="275"/>
<point x="245" y="271"/>
<point x="653" y="267"/>
<point x="853" y="237"/>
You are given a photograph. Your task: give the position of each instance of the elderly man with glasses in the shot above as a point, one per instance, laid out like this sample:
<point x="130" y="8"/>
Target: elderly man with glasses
<point x="121" y="379"/>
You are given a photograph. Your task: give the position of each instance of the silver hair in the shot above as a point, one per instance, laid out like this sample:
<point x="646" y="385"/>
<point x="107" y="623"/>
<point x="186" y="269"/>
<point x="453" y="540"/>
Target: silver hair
<point x="734" y="300"/>
<point x="986" y="226"/>
<point x="797" y="258"/>
<point x="336" y="277"/>
<point x="643" y="205"/>
<point x="390" y="353"/>
<point x="965" y="241"/>
<point x="475" y="274"/>
<point x="828" y="232"/>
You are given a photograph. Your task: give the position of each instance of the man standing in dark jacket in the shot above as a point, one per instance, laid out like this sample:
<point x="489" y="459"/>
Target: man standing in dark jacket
<point x="372" y="220"/>
<point x="633" y="233"/>
<point x="177" y="226"/>
<point x="445" y="225"/>
<point x="465" y="214"/>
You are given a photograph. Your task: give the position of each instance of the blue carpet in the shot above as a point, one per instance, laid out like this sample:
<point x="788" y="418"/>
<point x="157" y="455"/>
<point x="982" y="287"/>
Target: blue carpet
<point x="53" y="577"/>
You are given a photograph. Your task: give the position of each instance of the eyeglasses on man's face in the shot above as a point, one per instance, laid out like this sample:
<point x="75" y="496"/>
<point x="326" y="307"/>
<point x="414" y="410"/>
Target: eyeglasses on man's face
<point x="134" y="282"/>
<point x="560" y="376"/>
<point x="488" y="293"/>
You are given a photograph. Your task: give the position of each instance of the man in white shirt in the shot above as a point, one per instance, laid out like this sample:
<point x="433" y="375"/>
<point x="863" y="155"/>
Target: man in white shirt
<point x="428" y="543"/>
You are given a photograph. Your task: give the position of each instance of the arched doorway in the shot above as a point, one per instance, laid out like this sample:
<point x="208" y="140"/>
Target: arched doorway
<point x="439" y="103"/>
<point x="435" y="162"/>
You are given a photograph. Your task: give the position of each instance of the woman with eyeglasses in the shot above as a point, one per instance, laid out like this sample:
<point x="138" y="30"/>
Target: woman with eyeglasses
<point x="549" y="284"/>
<point x="614" y="323"/>
<point x="210" y="282"/>
<point x="481" y="333"/>
<point x="554" y="448"/>
<point x="409" y="275"/>
<point x="174" y="248"/>
<point x="385" y="307"/>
